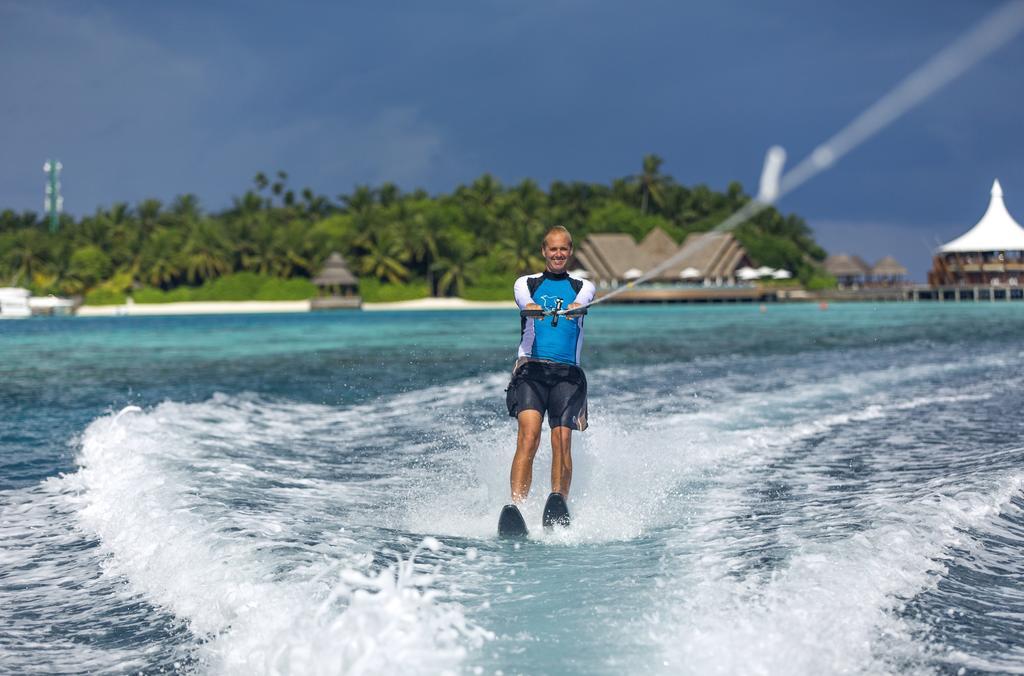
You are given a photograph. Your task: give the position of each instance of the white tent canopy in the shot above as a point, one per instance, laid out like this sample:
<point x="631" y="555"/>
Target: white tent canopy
<point x="747" y="273"/>
<point x="996" y="231"/>
<point x="633" y="273"/>
<point x="690" y="273"/>
<point x="782" y="274"/>
<point x="765" y="271"/>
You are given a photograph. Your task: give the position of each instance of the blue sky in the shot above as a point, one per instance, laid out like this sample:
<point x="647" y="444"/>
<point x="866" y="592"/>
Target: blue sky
<point x="156" y="99"/>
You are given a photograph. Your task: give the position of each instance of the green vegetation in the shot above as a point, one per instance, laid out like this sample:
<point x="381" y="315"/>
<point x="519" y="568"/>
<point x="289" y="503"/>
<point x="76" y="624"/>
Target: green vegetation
<point x="472" y="242"/>
<point x="374" y="291"/>
<point x="236" y="286"/>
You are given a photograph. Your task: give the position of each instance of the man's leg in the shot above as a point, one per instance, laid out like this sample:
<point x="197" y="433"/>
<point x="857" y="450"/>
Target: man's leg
<point x="526" y="449"/>
<point x="561" y="460"/>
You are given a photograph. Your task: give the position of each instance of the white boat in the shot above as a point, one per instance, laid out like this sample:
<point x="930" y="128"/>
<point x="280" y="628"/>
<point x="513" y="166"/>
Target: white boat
<point x="51" y="305"/>
<point x="14" y="303"/>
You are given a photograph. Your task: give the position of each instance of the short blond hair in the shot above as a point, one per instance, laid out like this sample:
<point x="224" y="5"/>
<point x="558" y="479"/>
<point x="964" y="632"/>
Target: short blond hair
<point x="553" y="229"/>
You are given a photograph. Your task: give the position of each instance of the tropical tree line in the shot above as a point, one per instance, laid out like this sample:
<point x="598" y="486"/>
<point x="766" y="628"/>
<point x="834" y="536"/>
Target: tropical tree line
<point x="478" y="236"/>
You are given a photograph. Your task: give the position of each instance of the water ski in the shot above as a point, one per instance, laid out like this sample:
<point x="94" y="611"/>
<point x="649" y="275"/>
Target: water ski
<point x="556" y="512"/>
<point x="511" y="523"/>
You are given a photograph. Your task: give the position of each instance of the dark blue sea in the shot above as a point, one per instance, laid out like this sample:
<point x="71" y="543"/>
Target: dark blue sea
<point x="793" y="491"/>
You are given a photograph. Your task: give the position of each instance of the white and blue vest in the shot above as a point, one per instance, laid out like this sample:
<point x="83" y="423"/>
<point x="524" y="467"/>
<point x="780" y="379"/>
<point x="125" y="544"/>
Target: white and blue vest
<point x="540" y="340"/>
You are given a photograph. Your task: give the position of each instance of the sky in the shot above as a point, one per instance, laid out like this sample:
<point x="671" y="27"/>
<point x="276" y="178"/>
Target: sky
<point x="157" y="99"/>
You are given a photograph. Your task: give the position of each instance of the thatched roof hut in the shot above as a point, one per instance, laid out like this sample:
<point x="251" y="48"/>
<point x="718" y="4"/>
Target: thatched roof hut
<point x="611" y="257"/>
<point x="658" y="245"/>
<point x="335" y="273"/>
<point x="339" y="288"/>
<point x="716" y="254"/>
<point x="608" y="256"/>
<point x="888" y="267"/>
<point x="844" y="265"/>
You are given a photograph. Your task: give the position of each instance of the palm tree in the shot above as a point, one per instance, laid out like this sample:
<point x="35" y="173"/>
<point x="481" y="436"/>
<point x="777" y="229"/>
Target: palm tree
<point x="249" y="203"/>
<point x="278" y="186"/>
<point x="571" y="202"/>
<point x="384" y="256"/>
<point x="650" y="182"/>
<point x="290" y="254"/>
<point x="28" y="254"/>
<point x="186" y="207"/>
<point x="149" y="212"/>
<point x="418" y="232"/>
<point x="315" y="205"/>
<point x="521" y="245"/>
<point x="457" y="249"/>
<point x="528" y="197"/>
<point x="160" y="260"/>
<point x="483" y="191"/>
<point x="702" y="201"/>
<point x="206" y="252"/>
<point x="388" y="194"/>
<point x="360" y="202"/>
<point x="163" y="272"/>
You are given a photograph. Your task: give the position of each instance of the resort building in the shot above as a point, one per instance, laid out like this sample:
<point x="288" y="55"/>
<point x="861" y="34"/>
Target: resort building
<point x="849" y="271"/>
<point x="14" y="303"/>
<point x="888" y="272"/>
<point x="338" y="287"/>
<point x="711" y="258"/>
<point x="989" y="254"/>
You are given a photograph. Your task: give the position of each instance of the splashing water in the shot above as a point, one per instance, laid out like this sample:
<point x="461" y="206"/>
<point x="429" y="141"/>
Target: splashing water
<point x="808" y="505"/>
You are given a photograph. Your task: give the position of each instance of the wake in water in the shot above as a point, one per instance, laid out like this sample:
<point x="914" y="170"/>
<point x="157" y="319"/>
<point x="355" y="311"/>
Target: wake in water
<point x="814" y="523"/>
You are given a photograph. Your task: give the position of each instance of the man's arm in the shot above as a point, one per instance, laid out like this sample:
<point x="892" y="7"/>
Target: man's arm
<point x="522" y="295"/>
<point x="585" y="296"/>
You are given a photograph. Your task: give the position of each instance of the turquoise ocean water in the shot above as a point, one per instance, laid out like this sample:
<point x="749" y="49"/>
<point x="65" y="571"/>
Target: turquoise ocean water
<point x="794" y="491"/>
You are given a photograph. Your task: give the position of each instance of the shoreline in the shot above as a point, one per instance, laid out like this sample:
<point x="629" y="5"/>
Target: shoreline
<point x="442" y="304"/>
<point x="278" y="307"/>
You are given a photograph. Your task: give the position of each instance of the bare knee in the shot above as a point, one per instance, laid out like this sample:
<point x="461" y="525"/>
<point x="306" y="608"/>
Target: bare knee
<point x="561" y="440"/>
<point x="529" y="431"/>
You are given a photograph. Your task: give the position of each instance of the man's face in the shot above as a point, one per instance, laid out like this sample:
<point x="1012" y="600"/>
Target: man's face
<point x="556" y="250"/>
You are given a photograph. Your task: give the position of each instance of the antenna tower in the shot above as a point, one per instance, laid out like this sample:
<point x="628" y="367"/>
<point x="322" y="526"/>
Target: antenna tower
<point x="54" y="203"/>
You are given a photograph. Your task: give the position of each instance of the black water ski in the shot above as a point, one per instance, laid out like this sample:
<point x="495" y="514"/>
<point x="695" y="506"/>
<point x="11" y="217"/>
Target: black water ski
<point x="511" y="523"/>
<point x="556" y="512"/>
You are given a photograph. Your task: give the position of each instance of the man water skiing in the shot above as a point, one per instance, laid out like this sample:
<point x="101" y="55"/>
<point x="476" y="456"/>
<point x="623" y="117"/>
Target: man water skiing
<point x="547" y="378"/>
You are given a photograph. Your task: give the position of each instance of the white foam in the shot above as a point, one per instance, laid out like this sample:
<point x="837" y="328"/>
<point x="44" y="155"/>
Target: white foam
<point x="197" y="513"/>
<point x="632" y="466"/>
<point x="53" y="591"/>
<point x="833" y="608"/>
<point x="140" y="490"/>
<point x="832" y="605"/>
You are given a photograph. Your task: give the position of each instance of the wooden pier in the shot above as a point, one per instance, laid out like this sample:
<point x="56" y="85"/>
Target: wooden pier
<point x="925" y="293"/>
<point x="712" y="294"/>
<point x="883" y="294"/>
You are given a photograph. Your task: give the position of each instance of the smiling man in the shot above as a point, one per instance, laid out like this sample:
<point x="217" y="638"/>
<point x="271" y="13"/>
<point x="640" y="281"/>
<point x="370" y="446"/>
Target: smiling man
<point x="547" y="378"/>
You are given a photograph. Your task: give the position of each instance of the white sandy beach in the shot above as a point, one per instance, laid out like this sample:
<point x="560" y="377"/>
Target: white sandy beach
<point x="258" y="307"/>
<point x="194" y="308"/>
<point x="442" y="304"/>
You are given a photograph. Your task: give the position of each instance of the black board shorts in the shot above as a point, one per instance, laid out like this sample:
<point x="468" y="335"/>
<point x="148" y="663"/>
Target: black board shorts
<point x="559" y="390"/>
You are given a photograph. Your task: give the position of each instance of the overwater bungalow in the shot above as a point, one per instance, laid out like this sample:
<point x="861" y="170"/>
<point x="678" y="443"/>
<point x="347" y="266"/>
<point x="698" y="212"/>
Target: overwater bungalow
<point x="888" y="272"/>
<point x="989" y="254"/>
<point x="850" y="271"/>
